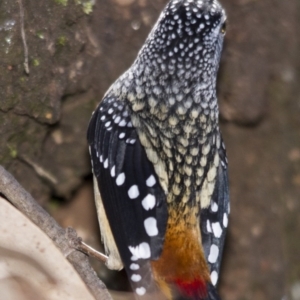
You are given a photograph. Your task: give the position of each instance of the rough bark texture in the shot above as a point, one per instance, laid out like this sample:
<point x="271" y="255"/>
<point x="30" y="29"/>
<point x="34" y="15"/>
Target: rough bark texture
<point x="76" y="50"/>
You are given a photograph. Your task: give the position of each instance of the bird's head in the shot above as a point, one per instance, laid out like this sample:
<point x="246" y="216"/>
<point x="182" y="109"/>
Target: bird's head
<point x="187" y="38"/>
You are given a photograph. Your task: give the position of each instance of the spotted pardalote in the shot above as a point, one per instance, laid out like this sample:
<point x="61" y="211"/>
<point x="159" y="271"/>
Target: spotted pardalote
<point x="159" y="162"/>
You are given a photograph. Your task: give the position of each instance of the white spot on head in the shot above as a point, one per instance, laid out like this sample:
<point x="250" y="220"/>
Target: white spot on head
<point x="213" y="254"/>
<point x="121" y="135"/>
<point x="216" y="227"/>
<point x="151" y="226"/>
<point x="149" y="202"/>
<point x="136" y="277"/>
<point x="214" y="206"/>
<point x="134" y="267"/>
<point x="105" y="165"/>
<point x="133" y="192"/>
<point x="208" y="226"/>
<point x="140" y="291"/>
<point x="214" y="277"/>
<point x="122" y="123"/>
<point x="120" y="179"/>
<point x="113" y="171"/>
<point x="225" y="220"/>
<point x="141" y="251"/>
<point x="150" y="181"/>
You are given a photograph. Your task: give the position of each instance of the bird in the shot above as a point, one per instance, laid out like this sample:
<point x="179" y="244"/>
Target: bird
<point x="159" y="161"/>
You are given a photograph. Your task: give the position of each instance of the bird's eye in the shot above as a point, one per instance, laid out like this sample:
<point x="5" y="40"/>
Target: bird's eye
<point x="223" y="28"/>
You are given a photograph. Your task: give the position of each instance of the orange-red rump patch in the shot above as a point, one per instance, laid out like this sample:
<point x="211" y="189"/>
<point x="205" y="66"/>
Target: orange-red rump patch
<point x="196" y="288"/>
<point x="182" y="264"/>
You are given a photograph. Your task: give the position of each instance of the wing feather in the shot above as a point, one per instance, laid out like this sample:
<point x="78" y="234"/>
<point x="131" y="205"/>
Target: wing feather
<point x="214" y="219"/>
<point x="132" y="197"/>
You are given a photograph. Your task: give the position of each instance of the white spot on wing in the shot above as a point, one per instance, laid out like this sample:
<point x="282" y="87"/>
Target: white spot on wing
<point x="105" y="165"/>
<point x="133" y="192"/>
<point x="122" y="135"/>
<point x="214" y="206"/>
<point x="134" y="267"/>
<point x="136" y="277"/>
<point x="208" y="226"/>
<point x="149" y="202"/>
<point x="225" y="220"/>
<point x="113" y="171"/>
<point x="141" y="251"/>
<point x="216" y="227"/>
<point x="214" y="277"/>
<point x="150" y="181"/>
<point x="120" y="179"/>
<point x="151" y="226"/>
<point x="140" y="291"/>
<point x="213" y="254"/>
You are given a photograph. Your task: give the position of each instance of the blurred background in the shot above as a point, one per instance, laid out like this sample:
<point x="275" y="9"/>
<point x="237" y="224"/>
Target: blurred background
<point x="77" y="48"/>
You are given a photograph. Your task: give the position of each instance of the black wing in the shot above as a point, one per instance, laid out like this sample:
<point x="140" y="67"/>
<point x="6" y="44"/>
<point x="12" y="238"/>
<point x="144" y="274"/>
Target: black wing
<point x="133" y="199"/>
<point x="214" y="219"/>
